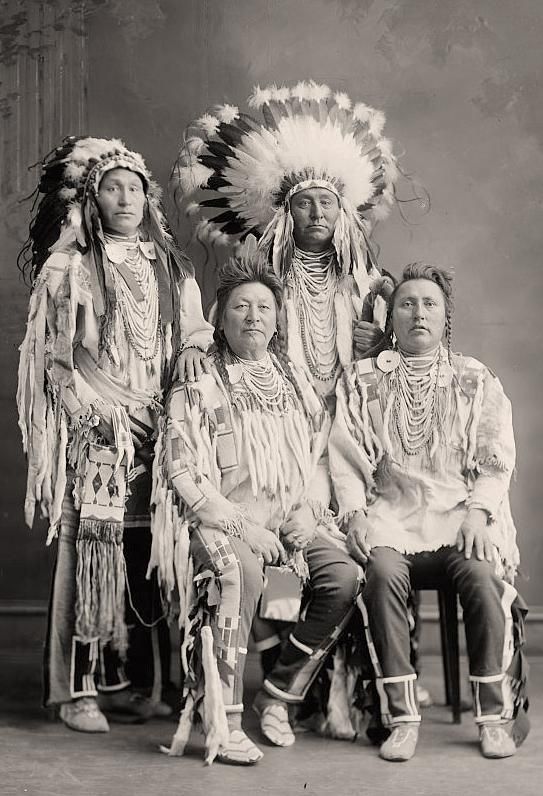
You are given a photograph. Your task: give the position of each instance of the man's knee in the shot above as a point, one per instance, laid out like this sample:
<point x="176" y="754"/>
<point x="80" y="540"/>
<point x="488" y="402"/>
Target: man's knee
<point x="476" y="579"/>
<point x="340" y="581"/>
<point x="251" y="573"/>
<point x="386" y="572"/>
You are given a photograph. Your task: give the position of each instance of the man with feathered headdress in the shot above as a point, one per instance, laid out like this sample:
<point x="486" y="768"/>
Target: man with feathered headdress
<point x="113" y="303"/>
<point x="309" y="180"/>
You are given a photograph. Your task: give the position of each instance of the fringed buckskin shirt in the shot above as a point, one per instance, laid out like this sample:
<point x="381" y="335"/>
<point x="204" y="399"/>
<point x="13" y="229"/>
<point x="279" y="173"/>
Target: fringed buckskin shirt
<point x="221" y="460"/>
<point x="418" y="502"/>
<point x="65" y="380"/>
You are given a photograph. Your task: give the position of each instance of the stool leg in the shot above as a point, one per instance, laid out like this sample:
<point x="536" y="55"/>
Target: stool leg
<point x="445" y="650"/>
<point x="448" y="620"/>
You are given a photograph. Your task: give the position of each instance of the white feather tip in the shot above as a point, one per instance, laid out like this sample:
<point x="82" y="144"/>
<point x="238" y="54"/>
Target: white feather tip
<point x="281" y="93"/>
<point x="259" y="97"/>
<point x="192" y="208"/>
<point x="342" y="100"/>
<point x="208" y="123"/>
<point x="227" y="113"/>
<point x="302" y="90"/>
<point x="318" y="91"/>
<point x="193" y="177"/>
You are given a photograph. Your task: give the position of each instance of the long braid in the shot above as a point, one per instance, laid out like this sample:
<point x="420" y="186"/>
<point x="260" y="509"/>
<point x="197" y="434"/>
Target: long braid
<point x="448" y="332"/>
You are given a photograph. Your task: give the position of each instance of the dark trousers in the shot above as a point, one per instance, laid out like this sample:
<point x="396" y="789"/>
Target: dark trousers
<point x="334" y="582"/>
<point x="487" y="608"/>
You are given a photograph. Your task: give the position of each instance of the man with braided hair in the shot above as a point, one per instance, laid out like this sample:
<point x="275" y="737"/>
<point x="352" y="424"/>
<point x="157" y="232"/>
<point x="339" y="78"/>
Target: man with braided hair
<point x="113" y="303"/>
<point x="421" y="456"/>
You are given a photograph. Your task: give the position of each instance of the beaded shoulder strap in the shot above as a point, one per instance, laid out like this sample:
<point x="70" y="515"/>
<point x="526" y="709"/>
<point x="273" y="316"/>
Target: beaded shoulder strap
<point x="366" y="372"/>
<point x="220" y="411"/>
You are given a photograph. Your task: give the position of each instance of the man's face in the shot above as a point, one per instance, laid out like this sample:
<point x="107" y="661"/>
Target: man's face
<point x="121" y="199"/>
<point x="315" y="212"/>
<point x="249" y="320"/>
<point x="418" y="316"/>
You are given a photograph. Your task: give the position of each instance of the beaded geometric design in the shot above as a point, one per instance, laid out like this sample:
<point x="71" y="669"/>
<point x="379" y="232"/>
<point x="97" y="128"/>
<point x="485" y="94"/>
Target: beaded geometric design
<point x="104" y="487"/>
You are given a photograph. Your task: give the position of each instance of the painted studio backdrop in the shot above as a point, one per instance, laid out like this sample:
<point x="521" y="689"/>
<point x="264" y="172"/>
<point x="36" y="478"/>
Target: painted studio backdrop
<point x="460" y="84"/>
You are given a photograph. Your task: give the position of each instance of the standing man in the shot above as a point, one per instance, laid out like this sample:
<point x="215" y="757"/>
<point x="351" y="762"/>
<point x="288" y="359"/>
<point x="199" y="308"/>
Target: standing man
<point x="309" y="179"/>
<point x="421" y="456"/>
<point x="113" y="304"/>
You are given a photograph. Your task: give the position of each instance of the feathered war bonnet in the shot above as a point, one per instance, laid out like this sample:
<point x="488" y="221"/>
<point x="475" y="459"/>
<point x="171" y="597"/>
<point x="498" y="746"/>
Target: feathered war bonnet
<point x="67" y="215"/>
<point x="237" y="174"/>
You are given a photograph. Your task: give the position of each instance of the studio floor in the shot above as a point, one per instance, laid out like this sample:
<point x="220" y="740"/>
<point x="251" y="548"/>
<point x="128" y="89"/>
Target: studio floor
<point x="41" y="757"/>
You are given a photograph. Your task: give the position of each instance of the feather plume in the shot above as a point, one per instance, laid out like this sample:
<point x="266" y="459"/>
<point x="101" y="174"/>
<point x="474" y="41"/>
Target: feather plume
<point x="301" y="90"/>
<point x="318" y="91"/>
<point x="74" y="220"/>
<point x="259" y="97"/>
<point x="342" y="100"/>
<point x="214" y="232"/>
<point x="381" y="210"/>
<point x="193" y="145"/>
<point x="223" y="239"/>
<point x="191" y="178"/>
<point x="75" y="171"/>
<point x="376" y="123"/>
<point x="385" y="148"/>
<point x="227" y="113"/>
<point x="281" y="93"/>
<point x="208" y="123"/>
<point x="192" y="208"/>
<point x="68" y="193"/>
<point x="362" y="112"/>
<point x="375" y="120"/>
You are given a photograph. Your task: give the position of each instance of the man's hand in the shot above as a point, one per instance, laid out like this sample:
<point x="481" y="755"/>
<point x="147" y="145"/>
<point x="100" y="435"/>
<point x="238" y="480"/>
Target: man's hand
<point x="299" y="529"/>
<point x="191" y="363"/>
<point x="473" y="536"/>
<point x="104" y="425"/>
<point x="366" y="335"/>
<point x="264" y="544"/>
<point x="357" y="533"/>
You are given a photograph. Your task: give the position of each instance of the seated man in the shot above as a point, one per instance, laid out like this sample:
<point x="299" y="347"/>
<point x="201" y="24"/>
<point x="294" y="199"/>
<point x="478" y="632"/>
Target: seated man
<point x="235" y="461"/>
<point x="421" y="455"/>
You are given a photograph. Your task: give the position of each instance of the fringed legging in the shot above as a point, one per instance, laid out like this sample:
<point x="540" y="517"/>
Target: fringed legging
<point x="73" y="669"/>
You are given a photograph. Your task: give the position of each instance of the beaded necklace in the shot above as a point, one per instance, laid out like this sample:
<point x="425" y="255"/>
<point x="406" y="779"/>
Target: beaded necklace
<point x="263" y="382"/>
<point x="141" y="319"/>
<point x="415" y="382"/>
<point x="315" y="283"/>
